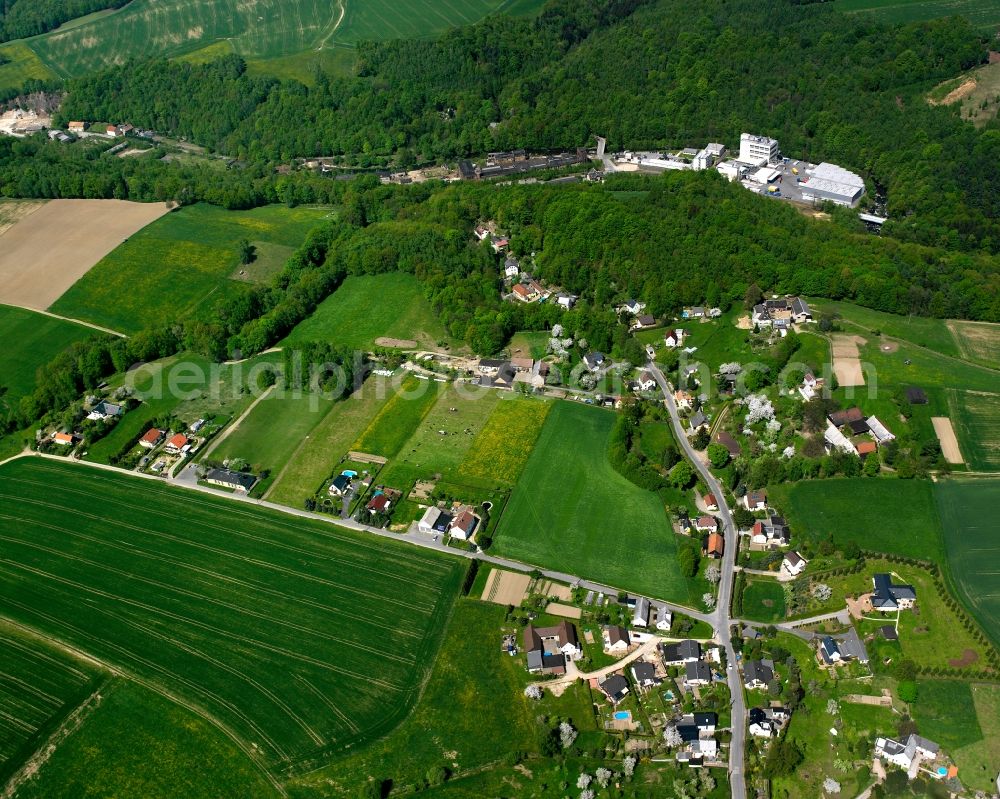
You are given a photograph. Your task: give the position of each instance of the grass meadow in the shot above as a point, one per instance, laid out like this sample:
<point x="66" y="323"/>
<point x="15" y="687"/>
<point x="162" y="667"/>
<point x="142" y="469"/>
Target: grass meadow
<point x="178" y="264"/>
<point x="137" y="742"/>
<point x="39" y="686"/>
<point x="504" y="444"/>
<point x="885" y="515"/>
<point x="763" y="600"/>
<point x="366" y="307"/>
<point x="296" y="639"/>
<point x="983" y="14"/>
<point x="38" y="339"/>
<point x="19" y="64"/>
<point x="572" y="511"/>
<point x="396" y="420"/>
<point x="972" y="541"/>
<point x="975" y="416"/>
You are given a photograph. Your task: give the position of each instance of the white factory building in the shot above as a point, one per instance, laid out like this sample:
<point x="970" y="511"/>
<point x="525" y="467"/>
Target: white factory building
<point x="758" y="150"/>
<point x="833" y="183"/>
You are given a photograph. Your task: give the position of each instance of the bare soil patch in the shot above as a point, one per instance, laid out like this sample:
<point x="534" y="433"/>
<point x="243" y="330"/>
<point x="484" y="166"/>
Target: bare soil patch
<point x="969" y="657"/>
<point x="967" y="87"/>
<point x="846" y="361"/>
<point x="11" y="212"/>
<point x="506" y="588"/>
<point x="396" y="343"/>
<point x="945" y="432"/>
<point x="567" y="611"/>
<point x="47" y="251"/>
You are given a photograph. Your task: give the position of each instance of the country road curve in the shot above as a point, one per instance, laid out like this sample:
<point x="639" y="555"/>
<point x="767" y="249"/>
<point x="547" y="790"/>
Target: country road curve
<point x="720" y="618"/>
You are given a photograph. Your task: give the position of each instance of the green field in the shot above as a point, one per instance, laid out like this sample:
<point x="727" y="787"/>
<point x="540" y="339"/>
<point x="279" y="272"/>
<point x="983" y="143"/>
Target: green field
<point x="885" y="515"/>
<point x="504" y="444"/>
<point x="389" y="430"/>
<point x="38" y="340"/>
<point x="256" y="29"/>
<point x="763" y="600"/>
<point x="179" y="264"/>
<point x="571" y="511"/>
<point x="368" y="306"/>
<point x="983" y="14"/>
<point x="296" y="639"/>
<point x="139" y="743"/>
<point x="975" y="416"/>
<point x="268" y="436"/>
<point x="972" y="540"/>
<point x="39" y="685"/>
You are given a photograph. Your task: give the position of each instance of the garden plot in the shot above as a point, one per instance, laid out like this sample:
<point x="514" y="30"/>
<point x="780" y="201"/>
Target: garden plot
<point x="949" y="441"/>
<point x="506" y="588"/>
<point x="846" y="360"/>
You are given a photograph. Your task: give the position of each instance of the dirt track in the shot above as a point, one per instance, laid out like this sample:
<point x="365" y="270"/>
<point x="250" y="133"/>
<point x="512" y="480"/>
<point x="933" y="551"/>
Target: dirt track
<point x="47" y="251"/>
<point x="949" y="442"/>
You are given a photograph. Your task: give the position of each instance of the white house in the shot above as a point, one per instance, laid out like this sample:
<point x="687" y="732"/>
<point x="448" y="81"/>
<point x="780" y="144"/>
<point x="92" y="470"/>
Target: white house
<point x="616" y="639"/>
<point x="633" y="307"/>
<point x="640" y="616"/>
<point x="645" y="382"/>
<point x="879" y="431"/>
<point x="902" y="753"/>
<point x="566" y="301"/>
<point x="811" y="386"/>
<point x="761" y="724"/>
<point x="664" y="618"/>
<point x="674" y="338"/>
<point x="511" y="268"/>
<point x="684" y="400"/>
<point x="793" y="564"/>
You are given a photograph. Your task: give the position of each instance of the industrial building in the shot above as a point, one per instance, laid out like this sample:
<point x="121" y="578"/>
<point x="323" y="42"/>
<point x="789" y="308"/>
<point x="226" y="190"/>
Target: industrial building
<point x="832" y="183"/>
<point x="758" y="150"/>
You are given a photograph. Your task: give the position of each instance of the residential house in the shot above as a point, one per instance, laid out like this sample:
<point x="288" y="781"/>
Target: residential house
<point x="481" y="232"/>
<point x="644" y="675"/>
<point x="697" y="312"/>
<point x="755" y="499"/>
<point x="781" y="312"/>
<point x="511" y="268"/>
<point x="566" y="301"/>
<point x="63" y="439"/>
<point x="811" y="386"/>
<point x="771" y="532"/>
<point x="902" y="752"/>
<point x="643" y="321"/>
<point x="151" y="438"/>
<point x="645" y="382"/>
<point x="843" y="649"/>
<point x="593" y="361"/>
<point x="523" y="293"/>
<point x="674" y="338"/>
<point x="631" y="306"/>
<point x="615" y="688"/>
<point x="706" y="524"/>
<point x="77" y="127"/>
<point x="697" y="673"/>
<point x="697" y="421"/>
<point x="684" y="400"/>
<point x="548" y="648"/>
<point x="715" y="545"/>
<point x="706" y="723"/>
<point x="341" y="485"/>
<point x="522" y="364"/>
<point x="536" y="288"/>
<point x="697" y="752"/>
<point x="760" y="723"/>
<point x="888" y="596"/>
<point x="177" y="443"/>
<point x="679" y="653"/>
<point x="731" y="444"/>
<point x="464" y="524"/>
<point x="105" y="410"/>
<point x="866" y="448"/>
<point x="793" y="564"/>
<point x="434" y="521"/>
<point x="380" y="503"/>
<point x="237" y="481"/>
<point x="757" y="674"/>
<point x="615" y="639"/>
<point x="498" y="243"/>
<point x="490" y="366"/>
<point x="640" y="615"/>
<point x="711" y="503"/>
<point x="879" y="431"/>
<point x="664" y="618"/>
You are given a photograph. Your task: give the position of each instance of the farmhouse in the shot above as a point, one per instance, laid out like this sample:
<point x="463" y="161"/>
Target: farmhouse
<point x="845" y="417"/>
<point x="644" y="675"/>
<point x="879" y="431"/>
<point x="522" y="364"/>
<point x="888" y="596"/>
<point x="781" y="312"/>
<point x="548" y="648"/>
<point x="615" y="688"/>
<point x="502" y="378"/>
<point x="63" y="439"/>
<point x="697" y="672"/>
<point x="615" y="639"/>
<point x="151" y="438"/>
<point x="715" y="545"/>
<point x="177" y="443"/>
<point x="238" y="481"/>
<point x="755" y="499"/>
<point x="793" y="564"/>
<point x="464" y="524"/>
<point x="680" y="653"/>
<point x="757" y="674"/>
<point x="490" y="366"/>
<point x="340" y="486"/>
<point x="837" y="440"/>
<point x="433" y="521"/>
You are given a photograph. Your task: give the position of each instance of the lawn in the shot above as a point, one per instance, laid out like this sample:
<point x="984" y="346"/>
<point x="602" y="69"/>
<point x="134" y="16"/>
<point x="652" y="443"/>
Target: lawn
<point x="466" y="719"/>
<point x="763" y="600"/>
<point x="39" y="686"/>
<point x="968" y="511"/>
<point x="389" y="430"/>
<point x="529" y="344"/>
<point x="33" y="339"/>
<point x="885" y="515"/>
<point x="983" y="14"/>
<point x="945" y="713"/>
<point x="139" y="743"/>
<point x="179" y="264"/>
<point x="366" y="307"/>
<point x="271" y="433"/>
<point x="261" y="622"/>
<point x="654" y="438"/>
<point x="327" y="444"/>
<point x="504" y="444"/>
<point x="977" y="761"/>
<point x="975" y="416"/>
<point x="572" y="511"/>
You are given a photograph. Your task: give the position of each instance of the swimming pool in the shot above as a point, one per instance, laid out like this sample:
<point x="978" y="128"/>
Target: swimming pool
<point x="623" y="715"/>
<point x="349" y="473"/>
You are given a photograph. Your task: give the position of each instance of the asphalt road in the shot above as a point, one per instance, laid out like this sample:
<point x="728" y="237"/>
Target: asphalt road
<point x="720" y="619"/>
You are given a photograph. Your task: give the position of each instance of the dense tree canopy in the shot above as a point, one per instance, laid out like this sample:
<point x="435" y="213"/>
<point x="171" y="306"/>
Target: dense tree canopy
<point x="21" y="18"/>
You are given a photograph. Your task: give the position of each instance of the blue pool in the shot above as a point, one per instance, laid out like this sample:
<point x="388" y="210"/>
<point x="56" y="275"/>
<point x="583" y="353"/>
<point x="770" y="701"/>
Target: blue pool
<point x="623" y="715"/>
<point x="349" y="473"/>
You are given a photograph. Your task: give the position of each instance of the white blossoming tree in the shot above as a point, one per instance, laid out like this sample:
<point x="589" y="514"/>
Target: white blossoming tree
<point x="533" y="692"/>
<point x="832" y="707"/>
<point x="713" y="574"/>
<point x="731" y="368"/>
<point x="759" y="409"/>
<point x="557" y="331"/>
<point x="709" y="600"/>
<point x="567" y="734"/>
<point x="628" y="766"/>
<point x="830" y="785"/>
<point x="822" y="591"/>
<point x="603" y="776"/>
<point x="583" y="780"/>
<point x="671" y="737"/>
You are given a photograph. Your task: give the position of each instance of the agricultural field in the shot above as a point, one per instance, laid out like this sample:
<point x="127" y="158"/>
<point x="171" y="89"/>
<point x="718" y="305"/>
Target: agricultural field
<point x="178" y="264"/>
<point x="885" y="515"/>
<point x="261" y="624"/>
<point x="983" y="14"/>
<point x="39" y="686"/>
<point x="978" y="341"/>
<point x="258" y="30"/>
<point x="136" y="742"/>
<point x="269" y="435"/>
<point x="572" y="511"/>
<point x="972" y="540"/>
<point x="39" y="339"/>
<point x="474" y="713"/>
<point x="503" y="446"/>
<point x="368" y="307"/>
<point x="389" y="430"/>
<point x="975" y="417"/>
<point x="46" y="251"/>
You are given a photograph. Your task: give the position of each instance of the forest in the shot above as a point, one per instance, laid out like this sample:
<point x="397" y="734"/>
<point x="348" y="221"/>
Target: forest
<point x="22" y="18"/>
<point x="827" y="85"/>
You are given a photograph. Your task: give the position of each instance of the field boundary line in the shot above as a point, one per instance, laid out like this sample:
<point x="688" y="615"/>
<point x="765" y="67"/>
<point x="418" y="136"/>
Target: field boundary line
<point x="74" y="321"/>
<point x="236" y="423"/>
<point x="298" y="449"/>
